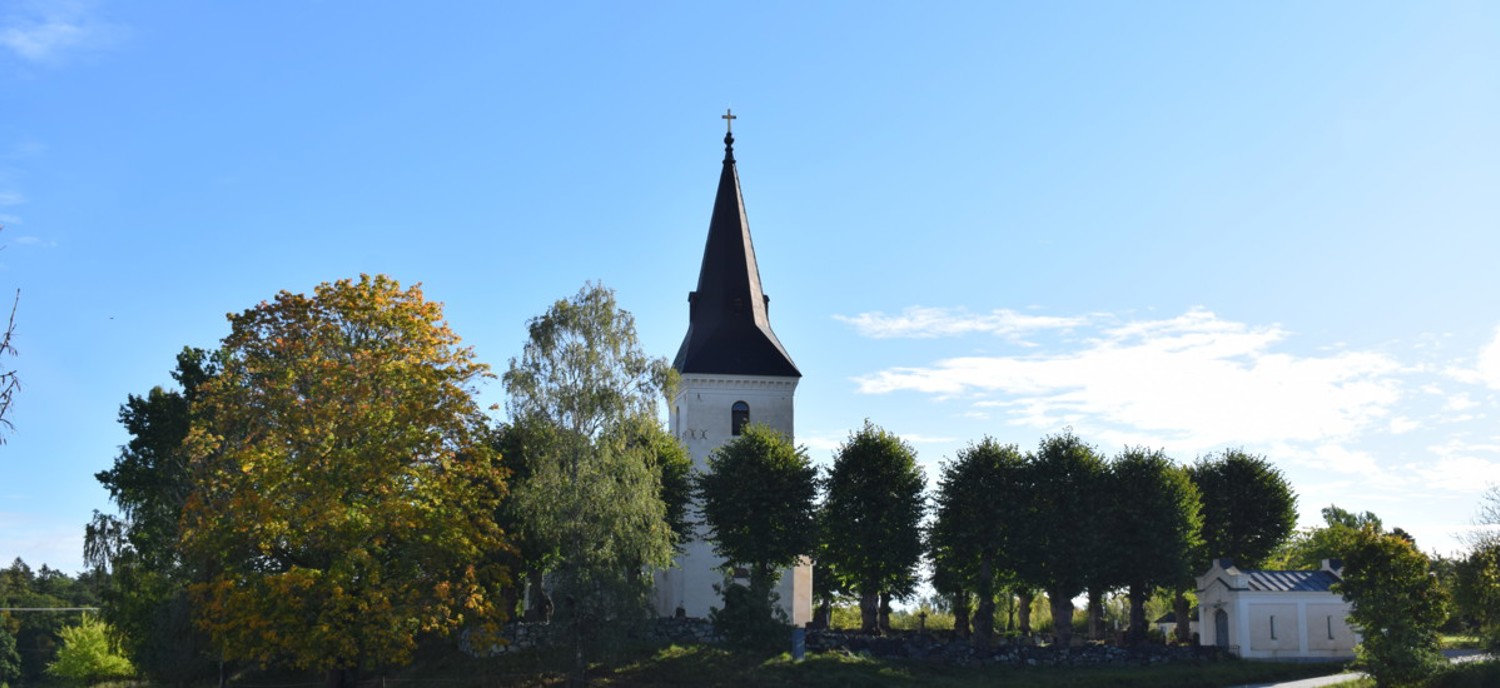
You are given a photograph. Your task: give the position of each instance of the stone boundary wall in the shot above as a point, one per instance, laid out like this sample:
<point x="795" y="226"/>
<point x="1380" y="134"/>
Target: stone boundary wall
<point x="940" y="647"/>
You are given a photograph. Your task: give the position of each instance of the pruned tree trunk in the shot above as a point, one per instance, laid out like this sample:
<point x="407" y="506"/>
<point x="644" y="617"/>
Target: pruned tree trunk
<point x="539" y="608"/>
<point x="1136" y="634"/>
<point x="885" y="612"/>
<point x="1096" y="615"/>
<point x="1062" y="617"/>
<point x="1180" y="610"/>
<point x="961" y="614"/>
<point x="869" y="612"/>
<point x="1025" y="599"/>
<point x="984" y="613"/>
<point x="342" y="678"/>
<point x="823" y="615"/>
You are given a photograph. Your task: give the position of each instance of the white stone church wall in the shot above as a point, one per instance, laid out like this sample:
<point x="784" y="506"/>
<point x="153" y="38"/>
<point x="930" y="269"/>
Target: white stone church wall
<point x="702" y="420"/>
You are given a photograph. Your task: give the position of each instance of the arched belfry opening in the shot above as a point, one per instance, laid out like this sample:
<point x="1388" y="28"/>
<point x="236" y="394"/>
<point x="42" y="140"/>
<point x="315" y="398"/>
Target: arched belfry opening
<point x="739" y="417"/>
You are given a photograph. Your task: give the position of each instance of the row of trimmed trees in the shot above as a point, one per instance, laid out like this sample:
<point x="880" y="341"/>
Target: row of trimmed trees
<point x="1063" y="520"/>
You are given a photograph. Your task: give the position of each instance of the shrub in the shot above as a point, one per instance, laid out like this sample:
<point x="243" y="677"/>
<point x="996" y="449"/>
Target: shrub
<point x="89" y="655"/>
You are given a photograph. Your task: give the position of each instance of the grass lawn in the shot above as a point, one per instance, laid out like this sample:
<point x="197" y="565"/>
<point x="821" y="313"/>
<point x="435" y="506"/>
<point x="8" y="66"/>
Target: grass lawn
<point x="706" y="666"/>
<point x="442" y="667"/>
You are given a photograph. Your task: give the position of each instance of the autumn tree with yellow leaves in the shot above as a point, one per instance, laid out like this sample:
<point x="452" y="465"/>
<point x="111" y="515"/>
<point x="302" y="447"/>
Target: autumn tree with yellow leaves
<point x="343" y="484"/>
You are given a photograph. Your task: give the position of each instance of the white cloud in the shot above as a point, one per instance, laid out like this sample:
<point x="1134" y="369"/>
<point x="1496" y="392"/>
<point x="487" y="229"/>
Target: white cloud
<point x="1401" y="425"/>
<point x="35" y="241"/>
<point x="1488" y="365"/>
<point x="8" y="197"/>
<point x="1194" y="381"/>
<point x="821" y="442"/>
<point x="1458" y="474"/>
<point x="926" y="323"/>
<point x="1459" y="402"/>
<point x="46" y="30"/>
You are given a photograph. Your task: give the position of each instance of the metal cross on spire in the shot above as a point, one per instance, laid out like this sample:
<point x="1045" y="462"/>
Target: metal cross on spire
<point x="729" y="119"/>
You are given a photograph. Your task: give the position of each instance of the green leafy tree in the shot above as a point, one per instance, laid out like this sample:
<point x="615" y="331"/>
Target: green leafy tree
<point x="344" y="483"/>
<point x="873" y="514"/>
<point x="37" y="635"/>
<point x="1153" y="525"/>
<point x="757" y="500"/>
<point x="1477" y="591"/>
<point x="1249" y="509"/>
<point x="980" y="505"/>
<point x="10" y="659"/>
<point x="88" y="655"/>
<point x="1064" y="481"/>
<point x="592" y="487"/>
<point x="1397" y="605"/>
<point x="146" y="594"/>
<point x="1307" y="548"/>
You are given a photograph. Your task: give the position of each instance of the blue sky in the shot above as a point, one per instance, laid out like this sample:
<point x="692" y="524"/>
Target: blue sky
<point x="1188" y="225"/>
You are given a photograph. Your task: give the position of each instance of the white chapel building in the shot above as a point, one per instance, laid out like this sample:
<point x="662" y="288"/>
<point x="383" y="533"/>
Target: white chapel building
<point x="1256" y="614"/>
<point x="734" y="372"/>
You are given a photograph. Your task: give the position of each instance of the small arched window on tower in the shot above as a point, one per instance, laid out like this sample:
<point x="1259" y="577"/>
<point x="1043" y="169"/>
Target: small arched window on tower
<point x="739" y="417"/>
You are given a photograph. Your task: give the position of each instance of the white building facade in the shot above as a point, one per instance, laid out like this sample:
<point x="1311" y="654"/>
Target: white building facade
<point x="734" y="372"/>
<point x="1257" y="614"/>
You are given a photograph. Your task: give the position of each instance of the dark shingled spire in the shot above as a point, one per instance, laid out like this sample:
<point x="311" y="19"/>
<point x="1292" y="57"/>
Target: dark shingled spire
<point x="729" y="329"/>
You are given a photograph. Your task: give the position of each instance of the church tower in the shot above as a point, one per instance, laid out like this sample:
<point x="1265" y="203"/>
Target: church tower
<point x="734" y="372"/>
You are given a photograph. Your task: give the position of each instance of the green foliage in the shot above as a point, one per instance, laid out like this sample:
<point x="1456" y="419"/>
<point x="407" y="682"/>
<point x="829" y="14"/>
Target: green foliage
<point x="343" y="482"/>
<point x="750" y="619"/>
<point x="1397" y="606"/>
<point x="872" y="515"/>
<point x="1306" y="549"/>
<point x="1065" y="490"/>
<point x="1153" y="527"/>
<point x="146" y="598"/>
<point x="10" y="659"/>
<point x="88" y="655"/>
<point x="1477" y="591"/>
<point x="37" y="635"/>
<point x="757" y="501"/>
<point x="1248" y="507"/>
<point x="591" y="498"/>
<point x="978" y="522"/>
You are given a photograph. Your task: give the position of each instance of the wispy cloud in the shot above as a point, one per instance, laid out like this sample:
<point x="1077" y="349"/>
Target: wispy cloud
<point x="35" y="242"/>
<point x="926" y="323"/>
<point x="1194" y="381"/>
<point x="46" y="31"/>
<point x="1461" y="465"/>
<point x="10" y="197"/>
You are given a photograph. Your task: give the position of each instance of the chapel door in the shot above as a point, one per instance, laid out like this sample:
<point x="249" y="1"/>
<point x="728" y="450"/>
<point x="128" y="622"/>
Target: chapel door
<point x="1221" y="628"/>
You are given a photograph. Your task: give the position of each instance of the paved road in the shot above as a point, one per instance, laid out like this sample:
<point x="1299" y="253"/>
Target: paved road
<point x="1453" y="656"/>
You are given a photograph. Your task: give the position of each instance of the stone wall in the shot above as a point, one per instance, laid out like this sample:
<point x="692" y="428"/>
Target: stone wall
<point x="939" y="647"/>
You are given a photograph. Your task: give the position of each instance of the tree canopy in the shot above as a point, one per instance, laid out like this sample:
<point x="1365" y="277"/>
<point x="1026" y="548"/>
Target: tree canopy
<point x="1397" y="605"/>
<point x="976" y="530"/>
<point x="1248" y="507"/>
<point x="1064" y="479"/>
<point x="145" y="597"/>
<point x="872" y="513"/>
<point x="343" y="482"/>
<point x="757" y="500"/>
<point x="1153" y="526"/>
<point x="595" y="468"/>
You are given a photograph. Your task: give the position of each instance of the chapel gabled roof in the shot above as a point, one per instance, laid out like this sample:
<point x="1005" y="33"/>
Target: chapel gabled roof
<point x="729" y="325"/>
